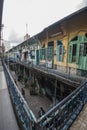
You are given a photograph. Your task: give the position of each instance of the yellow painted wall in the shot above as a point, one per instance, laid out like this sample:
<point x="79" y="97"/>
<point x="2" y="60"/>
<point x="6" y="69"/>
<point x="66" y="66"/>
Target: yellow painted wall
<point x="70" y="29"/>
<point x="65" y="42"/>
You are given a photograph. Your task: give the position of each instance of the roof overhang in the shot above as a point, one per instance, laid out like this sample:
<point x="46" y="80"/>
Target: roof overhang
<point x="76" y="19"/>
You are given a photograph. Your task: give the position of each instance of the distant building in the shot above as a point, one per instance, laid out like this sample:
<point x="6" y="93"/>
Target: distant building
<point x="26" y="37"/>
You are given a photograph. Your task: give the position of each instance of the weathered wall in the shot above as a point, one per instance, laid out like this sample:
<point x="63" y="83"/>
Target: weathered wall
<point x="70" y="28"/>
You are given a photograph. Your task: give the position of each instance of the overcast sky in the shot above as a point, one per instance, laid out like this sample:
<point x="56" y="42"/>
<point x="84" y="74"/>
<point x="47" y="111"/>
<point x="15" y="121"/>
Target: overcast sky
<point x="38" y="14"/>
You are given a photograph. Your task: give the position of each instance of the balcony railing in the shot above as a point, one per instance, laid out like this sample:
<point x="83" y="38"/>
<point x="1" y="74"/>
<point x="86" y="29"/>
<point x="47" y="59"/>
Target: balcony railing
<point x="59" y="117"/>
<point x="23" y="111"/>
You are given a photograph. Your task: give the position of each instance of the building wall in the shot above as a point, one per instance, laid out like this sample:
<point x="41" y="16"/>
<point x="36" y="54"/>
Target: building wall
<point x="66" y="30"/>
<point x="70" y="29"/>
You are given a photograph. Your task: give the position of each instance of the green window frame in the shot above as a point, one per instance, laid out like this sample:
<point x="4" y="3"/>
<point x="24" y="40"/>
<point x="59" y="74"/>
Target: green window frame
<point x="73" y="49"/>
<point x="72" y="53"/>
<point x="59" y="51"/>
<point x="43" y="54"/>
<point x="49" y="53"/>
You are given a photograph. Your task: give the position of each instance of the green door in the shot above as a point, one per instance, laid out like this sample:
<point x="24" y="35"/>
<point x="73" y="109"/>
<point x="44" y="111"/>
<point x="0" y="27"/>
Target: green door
<point x="37" y="57"/>
<point x="50" y="53"/>
<point x="50" y="56"/>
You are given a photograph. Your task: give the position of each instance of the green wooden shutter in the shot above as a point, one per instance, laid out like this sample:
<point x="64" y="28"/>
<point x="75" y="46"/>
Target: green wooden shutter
<point x="43" y="53"/>
<point x="78" y="53"/>
<point x="50" y="52"/>
<point x="70" y="53"/>
<point x="62" y="52"/>
<point x="57" y="52"/>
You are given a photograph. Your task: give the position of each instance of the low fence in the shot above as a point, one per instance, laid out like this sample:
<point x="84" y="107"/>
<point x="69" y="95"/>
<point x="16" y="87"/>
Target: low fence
<point x="59" y="117"/>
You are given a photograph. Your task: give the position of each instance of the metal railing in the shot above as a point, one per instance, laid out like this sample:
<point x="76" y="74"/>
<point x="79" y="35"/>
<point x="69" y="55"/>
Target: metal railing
<point x="23" y="111"/>
<point x="75" y="79"/>
<point x="59" y="117"/>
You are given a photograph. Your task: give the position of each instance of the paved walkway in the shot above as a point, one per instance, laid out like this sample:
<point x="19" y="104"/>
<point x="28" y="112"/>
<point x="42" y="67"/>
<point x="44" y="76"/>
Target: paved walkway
<point x="81" y="121"/>
<point x="7" y="116"/>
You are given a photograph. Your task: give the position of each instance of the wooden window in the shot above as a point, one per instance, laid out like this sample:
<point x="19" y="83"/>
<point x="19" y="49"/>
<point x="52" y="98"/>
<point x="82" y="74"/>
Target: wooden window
<point x="72" y="52"/>
<point x="85" y="49"/>
<point x="81" y="50"/>
<point x="50" y="52"/>
<point x="60" y="51"/>
<point x="43" y="54"/>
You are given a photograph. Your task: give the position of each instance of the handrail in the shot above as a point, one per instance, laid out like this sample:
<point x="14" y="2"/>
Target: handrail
<point x="62" y="114"/>
<point x="67" y="78"/>
<point x="19" y="101"/>
<point x="65" y="100"/>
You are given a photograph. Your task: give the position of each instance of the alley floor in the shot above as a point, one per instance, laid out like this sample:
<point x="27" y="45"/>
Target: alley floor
<point x="34" y="101"/>
<point x="81" y="121"/>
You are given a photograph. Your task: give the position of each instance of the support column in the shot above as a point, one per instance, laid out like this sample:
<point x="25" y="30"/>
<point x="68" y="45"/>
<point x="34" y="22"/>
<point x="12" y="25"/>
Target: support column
<point x="61" y="91"/>
<point x="54" y="98"/>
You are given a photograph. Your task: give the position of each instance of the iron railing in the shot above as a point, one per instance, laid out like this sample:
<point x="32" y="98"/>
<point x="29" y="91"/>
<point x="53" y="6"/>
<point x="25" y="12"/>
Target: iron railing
<point x="59" y="117"/>
<point x="23" y="111"/>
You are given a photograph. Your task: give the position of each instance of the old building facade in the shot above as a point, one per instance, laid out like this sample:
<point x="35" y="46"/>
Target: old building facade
<point x="61" y="46"/>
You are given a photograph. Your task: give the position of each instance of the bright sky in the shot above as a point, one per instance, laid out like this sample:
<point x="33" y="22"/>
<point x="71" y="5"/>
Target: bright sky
<point x="38" y="14"/>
